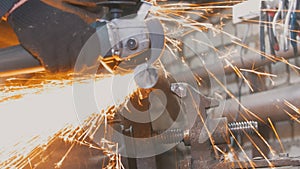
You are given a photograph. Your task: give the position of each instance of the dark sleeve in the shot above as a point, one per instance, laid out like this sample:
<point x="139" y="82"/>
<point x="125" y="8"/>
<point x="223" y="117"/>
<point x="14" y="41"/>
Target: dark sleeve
<point x="5" y="6"/>
<point x="52" y="35"/>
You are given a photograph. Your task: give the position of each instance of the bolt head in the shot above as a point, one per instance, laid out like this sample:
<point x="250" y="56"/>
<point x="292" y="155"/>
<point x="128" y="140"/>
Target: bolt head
<point x="132" y="44"/>
<point x="179" y="89"/>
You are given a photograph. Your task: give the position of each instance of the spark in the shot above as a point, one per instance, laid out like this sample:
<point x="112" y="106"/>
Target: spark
<point x="171" y="51"/>
<point x="272" y="58"/>
<point x="260" y="136"/>
<point x="59" y="164"/>
<point x="221" y="151"/>
<point x="258" y="73"/>
<point x="216" y="50"/>
<point x="236" y="157"/>
<point x="241" y="148"/>
<point x="165" y="14"/>
<point x="208" y="45"/>
<point x="194" y="7"/>
<point x="259" y="150"/>
<point x="292" y="116"/>
<point x="235" y="68"/>
<point x="294" y="67"/>
<point x="33" y="94"/>
<point x="247" y="111"/>
<point x="239" y="73"/>
<point x="175" y="43"/>
<point x="233" y="97"/>
<point x="173" y="13"/>
<point x="276" y="134"/>
<point x="26" y="127"/>
<point x="204" y="125"/>
<point x="290" y="105"/>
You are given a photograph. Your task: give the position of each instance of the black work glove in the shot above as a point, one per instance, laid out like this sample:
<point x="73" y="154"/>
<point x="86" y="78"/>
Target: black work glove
<point x="54" y="36"/>
<point x="85" y="9"/>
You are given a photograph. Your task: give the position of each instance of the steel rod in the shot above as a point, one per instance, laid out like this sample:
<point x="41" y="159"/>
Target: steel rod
<point x="248" y="61"/>
<point x="271" y="103"/>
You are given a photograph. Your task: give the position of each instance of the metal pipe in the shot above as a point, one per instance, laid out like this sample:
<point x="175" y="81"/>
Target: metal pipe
<point x="16" y="60"/>
<point x="245" y="62"/>
<point x="266" y="104"/>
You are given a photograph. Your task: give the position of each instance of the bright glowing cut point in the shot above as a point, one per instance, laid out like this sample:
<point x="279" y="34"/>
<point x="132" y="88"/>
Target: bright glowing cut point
<point x="40" y="115"/>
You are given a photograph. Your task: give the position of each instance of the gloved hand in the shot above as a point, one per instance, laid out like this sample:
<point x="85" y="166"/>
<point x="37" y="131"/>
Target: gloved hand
<point x="85" y="9"/>
<point x="54" y="36"/>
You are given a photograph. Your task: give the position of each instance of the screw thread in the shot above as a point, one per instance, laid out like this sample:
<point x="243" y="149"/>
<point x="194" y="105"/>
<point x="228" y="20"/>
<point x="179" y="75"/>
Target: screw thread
<point x="248" y="127"/>
<point x="170" y="136"/>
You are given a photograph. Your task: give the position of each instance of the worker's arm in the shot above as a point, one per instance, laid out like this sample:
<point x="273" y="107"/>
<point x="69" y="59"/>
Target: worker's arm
<point x="54" y="36"/>
<point x="85" y="9"/>
<point x="5" y="6"/>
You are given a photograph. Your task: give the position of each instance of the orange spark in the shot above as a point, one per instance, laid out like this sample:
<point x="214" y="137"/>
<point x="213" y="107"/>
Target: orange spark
<point x="259" y="150"/>
<point x="241" y="148"/>
<point x="258" y="73"/>
<point x="276" y="134"/>
<point x="47" y="107"/>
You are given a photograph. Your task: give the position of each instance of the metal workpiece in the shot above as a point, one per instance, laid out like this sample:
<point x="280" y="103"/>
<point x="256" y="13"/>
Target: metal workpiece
<point x="173" y="136"/>
<point x="218" y="128"/>
<point x="261" y="163"/>
<point x="202" y="154"/>
<point x="161" y="117"/>
<point x="157" y="110"/>
<point x="16" y="60"/>
<point x="249" y="61"/>
<point x="268" y="104"/>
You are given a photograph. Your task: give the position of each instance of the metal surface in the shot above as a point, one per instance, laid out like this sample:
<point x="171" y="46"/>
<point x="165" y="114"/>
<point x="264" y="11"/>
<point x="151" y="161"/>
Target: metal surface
<point x="173" y="136"/>
<point x="259" y="163"/>
<point x="243" y="127"/>
<point x="202" y="153"/>
<point x="16" y="60"/>
<point x="246" y="62"/>
<point x="16" y="57"/>
<point x="132" y="40"/>
<point x="219" y="130"/>
<point x="265" y="104"/>
<point x="122" y="30"/>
